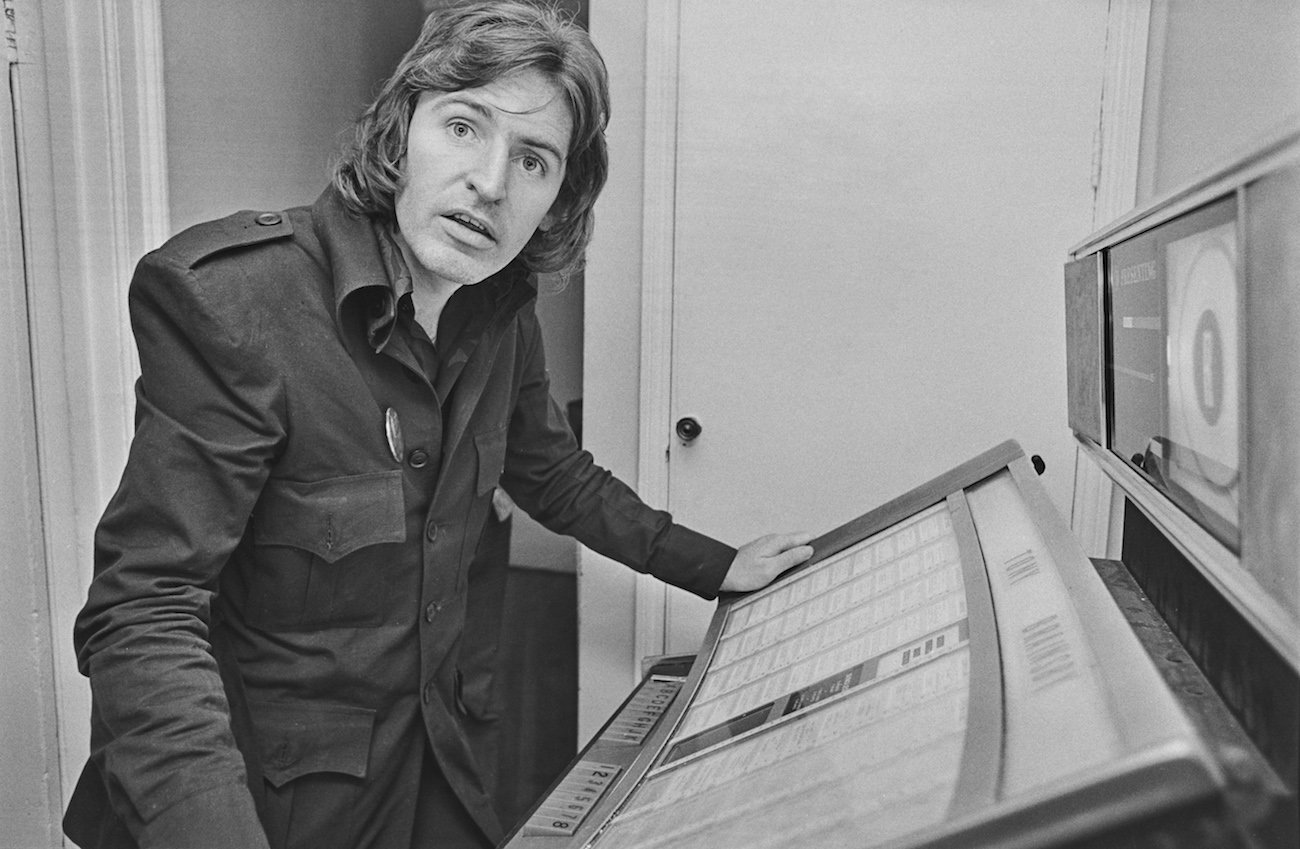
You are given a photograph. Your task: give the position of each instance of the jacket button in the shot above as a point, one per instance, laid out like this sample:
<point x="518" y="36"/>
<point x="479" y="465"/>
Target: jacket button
<point x="431" y="531"/>
<point x="419" y="458"/>
<point x="430" y="611"/>
<point x="268" y="219"/>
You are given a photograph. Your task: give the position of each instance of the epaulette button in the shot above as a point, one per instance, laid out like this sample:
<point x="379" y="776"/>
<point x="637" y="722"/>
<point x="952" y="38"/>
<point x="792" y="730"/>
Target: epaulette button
<point x="268" y="219"/>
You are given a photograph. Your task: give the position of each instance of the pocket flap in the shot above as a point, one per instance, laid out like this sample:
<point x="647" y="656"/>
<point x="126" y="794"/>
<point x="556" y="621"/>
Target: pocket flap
<point x="333" y="517"/>
<point x="296" y="740"/>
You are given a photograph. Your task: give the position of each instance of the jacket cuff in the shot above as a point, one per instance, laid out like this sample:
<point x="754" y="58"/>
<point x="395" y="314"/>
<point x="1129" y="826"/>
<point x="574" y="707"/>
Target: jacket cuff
<point x="221" y="817"/>
<point x="692" y="561"/>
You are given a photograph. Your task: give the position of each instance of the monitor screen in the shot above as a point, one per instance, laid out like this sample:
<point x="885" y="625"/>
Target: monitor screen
<point x="1176" y="405"/>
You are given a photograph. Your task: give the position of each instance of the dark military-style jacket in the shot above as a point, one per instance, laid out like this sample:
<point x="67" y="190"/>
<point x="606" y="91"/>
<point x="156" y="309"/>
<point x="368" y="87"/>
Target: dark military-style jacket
<point x="283" y="608"/>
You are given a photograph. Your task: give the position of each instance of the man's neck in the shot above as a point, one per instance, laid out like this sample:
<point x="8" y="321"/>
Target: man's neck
<point x="429" y="293"/>
<point x="428" y="298"/>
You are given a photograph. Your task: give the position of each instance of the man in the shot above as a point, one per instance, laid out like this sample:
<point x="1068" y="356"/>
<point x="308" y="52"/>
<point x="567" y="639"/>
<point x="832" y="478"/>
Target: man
<point x="281" y="634"/>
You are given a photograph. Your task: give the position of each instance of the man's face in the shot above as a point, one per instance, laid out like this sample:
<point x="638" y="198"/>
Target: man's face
<point x="483" y="167"/>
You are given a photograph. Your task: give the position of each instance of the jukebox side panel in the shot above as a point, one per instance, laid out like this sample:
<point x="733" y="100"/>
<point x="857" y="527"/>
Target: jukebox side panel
<point x="1072" y="674"/>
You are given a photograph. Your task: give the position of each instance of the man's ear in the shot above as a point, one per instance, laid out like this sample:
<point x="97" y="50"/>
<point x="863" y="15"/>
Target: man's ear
<point x="548" y="221"/>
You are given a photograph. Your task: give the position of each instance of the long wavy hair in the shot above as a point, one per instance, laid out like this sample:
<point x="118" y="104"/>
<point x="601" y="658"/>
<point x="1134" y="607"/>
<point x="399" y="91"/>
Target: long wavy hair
<point x="468" y="45"/>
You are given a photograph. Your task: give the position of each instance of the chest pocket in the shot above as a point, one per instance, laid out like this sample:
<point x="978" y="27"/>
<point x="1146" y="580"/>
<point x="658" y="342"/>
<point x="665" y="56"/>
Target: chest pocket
<point x="324" y="551"/>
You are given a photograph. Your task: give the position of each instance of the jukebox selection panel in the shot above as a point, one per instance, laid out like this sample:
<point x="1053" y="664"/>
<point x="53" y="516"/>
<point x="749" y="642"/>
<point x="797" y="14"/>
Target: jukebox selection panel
<point x="840" y="693"/>
<point x="867" y="613"/>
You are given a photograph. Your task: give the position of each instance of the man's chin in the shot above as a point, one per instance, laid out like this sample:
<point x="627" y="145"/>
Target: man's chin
<point x="457" y="271"/>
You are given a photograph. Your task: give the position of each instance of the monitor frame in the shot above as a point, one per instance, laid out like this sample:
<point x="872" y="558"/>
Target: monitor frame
<point x="1257" y="572"/>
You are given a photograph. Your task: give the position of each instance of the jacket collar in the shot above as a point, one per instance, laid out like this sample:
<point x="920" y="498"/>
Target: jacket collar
<point x="363" y="259"/>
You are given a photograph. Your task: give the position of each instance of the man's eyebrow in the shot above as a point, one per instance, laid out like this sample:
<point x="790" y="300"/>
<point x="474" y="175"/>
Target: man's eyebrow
<point x="487" y="113"/>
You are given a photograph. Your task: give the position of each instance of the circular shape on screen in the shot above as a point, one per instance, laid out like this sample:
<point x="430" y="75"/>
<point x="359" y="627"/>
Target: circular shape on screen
<point x="1203" y="361"/>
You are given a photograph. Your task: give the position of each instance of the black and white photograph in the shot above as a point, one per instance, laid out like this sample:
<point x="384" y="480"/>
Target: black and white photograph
<point x="650" y="424"/>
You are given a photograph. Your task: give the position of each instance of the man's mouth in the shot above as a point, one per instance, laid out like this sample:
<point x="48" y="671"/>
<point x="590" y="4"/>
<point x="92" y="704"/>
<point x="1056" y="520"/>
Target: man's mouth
<point x="471" y="224"/>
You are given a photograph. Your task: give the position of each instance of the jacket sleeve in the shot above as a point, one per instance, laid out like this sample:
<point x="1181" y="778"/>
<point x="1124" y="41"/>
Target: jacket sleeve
<point x="207" y="428"/>
<point x="561" y="487"/>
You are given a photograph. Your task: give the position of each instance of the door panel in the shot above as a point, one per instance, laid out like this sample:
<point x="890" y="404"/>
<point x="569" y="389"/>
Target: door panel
<point x="873" y="203"/>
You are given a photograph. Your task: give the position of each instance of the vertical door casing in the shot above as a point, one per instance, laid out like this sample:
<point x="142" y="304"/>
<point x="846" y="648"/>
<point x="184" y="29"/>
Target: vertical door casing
<point x="32" y="798"/>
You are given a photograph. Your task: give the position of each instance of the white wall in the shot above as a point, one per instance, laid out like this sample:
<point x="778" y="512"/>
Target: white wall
<point x="1220" y="78"/>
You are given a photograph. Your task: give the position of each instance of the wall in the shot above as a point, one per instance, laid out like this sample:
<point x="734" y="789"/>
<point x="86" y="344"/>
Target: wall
<point x="260" y="95"/>
<point x="1220" y="77"/>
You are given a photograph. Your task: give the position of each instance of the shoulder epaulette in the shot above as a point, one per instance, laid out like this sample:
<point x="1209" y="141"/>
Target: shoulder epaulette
<point x="195" y="244"/>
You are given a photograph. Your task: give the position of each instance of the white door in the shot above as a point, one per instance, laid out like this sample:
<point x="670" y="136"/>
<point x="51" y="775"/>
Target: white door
<point x="873" y="202"/>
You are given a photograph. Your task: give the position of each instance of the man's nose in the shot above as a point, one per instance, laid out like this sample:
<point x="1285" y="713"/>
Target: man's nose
<point x="490" y="173"/>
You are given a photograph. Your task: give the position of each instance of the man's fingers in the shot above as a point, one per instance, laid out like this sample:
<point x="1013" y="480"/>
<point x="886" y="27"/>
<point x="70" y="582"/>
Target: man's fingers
<point x="781" y="543"/>
<point x="760" y="560"/>
<point x="792" y="557"/>
<point x="786" y="552"/>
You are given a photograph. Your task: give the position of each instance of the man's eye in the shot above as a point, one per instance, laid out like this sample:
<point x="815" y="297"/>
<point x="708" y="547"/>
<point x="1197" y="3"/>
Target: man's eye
<point x="533" y="165"/>
<point x="460" y="129"/>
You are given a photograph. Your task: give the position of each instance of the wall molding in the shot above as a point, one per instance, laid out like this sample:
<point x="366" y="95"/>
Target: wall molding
<point x="33" y="795"/>
<point x="91" y="144"/>
<point x="1120" y="122"/>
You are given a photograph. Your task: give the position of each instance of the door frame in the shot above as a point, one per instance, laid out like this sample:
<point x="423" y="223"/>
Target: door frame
<point x="34" y="796"/>
<point x="658" y="222"/>
<point x="90" y="139"/>
<point x="1097" y="509"/>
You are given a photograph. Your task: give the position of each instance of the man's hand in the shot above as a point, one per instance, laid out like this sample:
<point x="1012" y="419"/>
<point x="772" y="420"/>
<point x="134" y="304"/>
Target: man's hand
<point x="758" y="562"/>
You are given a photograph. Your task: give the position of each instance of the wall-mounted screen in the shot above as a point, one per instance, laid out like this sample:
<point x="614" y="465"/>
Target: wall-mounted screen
<point x="1183" y="346"/>
<point x="1176" y="404"/>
